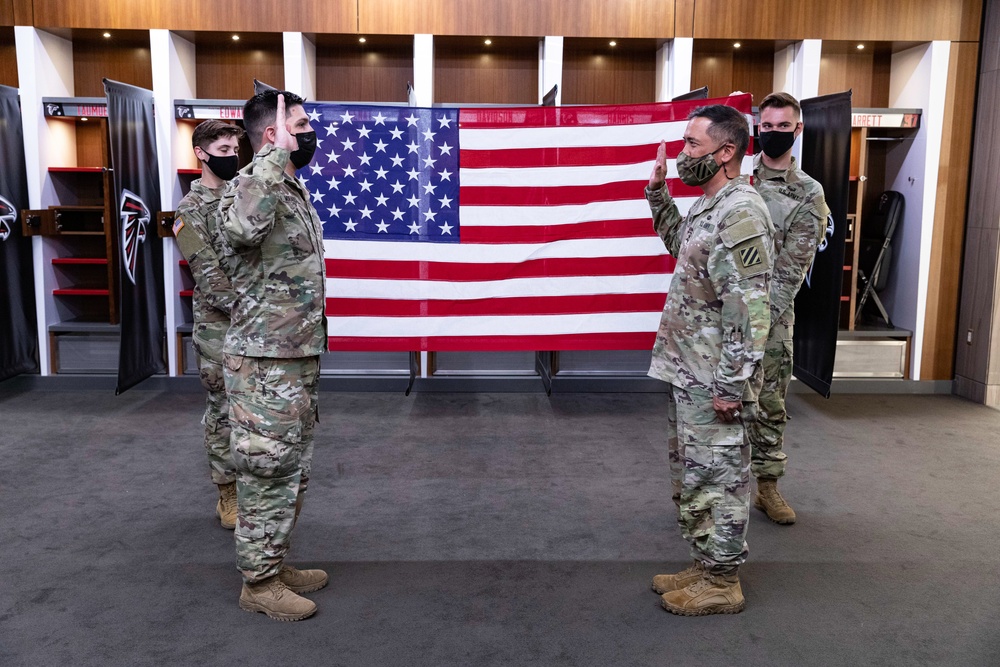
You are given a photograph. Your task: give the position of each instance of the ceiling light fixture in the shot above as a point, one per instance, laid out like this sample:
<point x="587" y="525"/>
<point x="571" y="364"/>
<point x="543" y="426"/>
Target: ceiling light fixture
<point x="861" y="47"/>
<point x="236" y="38"/>
<point x="107" y="35"/>
<point x="612" y="43"/>
<point x="487" y="41"/>
<point x="362" y="40"/>
<point x="736" y="45"/>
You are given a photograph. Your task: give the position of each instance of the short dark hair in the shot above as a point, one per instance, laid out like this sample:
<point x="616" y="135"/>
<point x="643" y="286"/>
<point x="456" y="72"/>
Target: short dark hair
<point x="258" y="113"/>
<point x="780" y="101"/>
<point x="210" y="130"/>
<point x="728" y="125"/>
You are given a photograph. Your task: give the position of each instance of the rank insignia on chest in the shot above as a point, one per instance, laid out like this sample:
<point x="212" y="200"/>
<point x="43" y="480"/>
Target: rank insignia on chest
<point x="750" y="256"/>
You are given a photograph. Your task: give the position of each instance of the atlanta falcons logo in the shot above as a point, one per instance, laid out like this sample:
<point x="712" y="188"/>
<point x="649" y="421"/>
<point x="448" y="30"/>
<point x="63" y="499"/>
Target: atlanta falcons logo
<point x="135" y="218"/>
<point x="8" y="216"/>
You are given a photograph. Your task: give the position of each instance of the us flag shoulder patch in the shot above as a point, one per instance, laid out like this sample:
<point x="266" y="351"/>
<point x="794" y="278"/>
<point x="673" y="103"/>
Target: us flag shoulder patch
<point x="178" y="225"/>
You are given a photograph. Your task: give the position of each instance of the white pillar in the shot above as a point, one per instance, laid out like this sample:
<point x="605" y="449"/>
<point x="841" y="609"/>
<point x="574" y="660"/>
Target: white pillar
<point x="550" y="67"/>
<point x="673" y="68"/>
<point x="918" y="79"/>
<point x="796" y="69"/>
<point x="174" y="77"/>
<point x="300" y="65"/>
<point x="44" y="69"/>
<point x="423" y="70"/>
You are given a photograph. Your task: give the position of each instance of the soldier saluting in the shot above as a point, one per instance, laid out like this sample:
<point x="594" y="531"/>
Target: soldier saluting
<point x="708" y="349"/>
<point x="271" y="361"/>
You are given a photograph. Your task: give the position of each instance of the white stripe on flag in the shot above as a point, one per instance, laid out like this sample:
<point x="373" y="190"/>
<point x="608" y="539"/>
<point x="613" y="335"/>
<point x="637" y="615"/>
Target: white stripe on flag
<point x="531" y="216"/>
<point x="540" y="177"/>
<point x="571" y="137"/>
<point x="514" y="325"/>
<point x="642" y="246"/>
<point x="410" y="290"/>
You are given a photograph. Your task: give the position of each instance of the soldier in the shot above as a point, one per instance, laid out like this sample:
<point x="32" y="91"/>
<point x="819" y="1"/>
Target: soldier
<point x="271" y="360"/>
<point x="708" y="348"/>
<point x="216" y="145"/>
<point x="799" y="212"/>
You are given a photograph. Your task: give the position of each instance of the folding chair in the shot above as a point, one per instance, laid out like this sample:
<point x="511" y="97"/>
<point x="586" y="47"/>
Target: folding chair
<point x="875" y="254"/>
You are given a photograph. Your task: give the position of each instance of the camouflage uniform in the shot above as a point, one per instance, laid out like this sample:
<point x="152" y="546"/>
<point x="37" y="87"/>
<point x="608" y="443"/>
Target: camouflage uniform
<point x="196" y="230"/>
<point x="799" y="212"/>
<point x="710" y="343"/>
<point x="275" y="258"/>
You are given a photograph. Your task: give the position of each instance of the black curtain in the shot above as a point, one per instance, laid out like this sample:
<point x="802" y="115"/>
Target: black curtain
<point x="137" y="201"/>
<point x="826" y="156"/>
<point x="18" y="330"/>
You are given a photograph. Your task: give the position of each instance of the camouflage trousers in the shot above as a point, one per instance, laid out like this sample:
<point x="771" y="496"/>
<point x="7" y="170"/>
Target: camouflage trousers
<point x="273" y="411"/>
<point x="216" y="422"/>
<point x="766" y="433"/>
<point x="710" y="478"/>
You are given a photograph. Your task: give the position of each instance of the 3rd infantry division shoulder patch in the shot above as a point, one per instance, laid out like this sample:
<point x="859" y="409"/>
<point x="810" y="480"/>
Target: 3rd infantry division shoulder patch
<point x="750" y="256"/>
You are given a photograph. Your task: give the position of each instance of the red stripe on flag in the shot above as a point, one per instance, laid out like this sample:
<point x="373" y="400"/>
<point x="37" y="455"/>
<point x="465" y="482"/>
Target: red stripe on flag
<point x="600" y="229"/>
<point x="563" y="157"/>
<point x="597" y="341"/>
<point x="585" y="116"/>
<point x="565" y="195"/>
<point x="521" y="305"/>
<point x="380" y="269"/>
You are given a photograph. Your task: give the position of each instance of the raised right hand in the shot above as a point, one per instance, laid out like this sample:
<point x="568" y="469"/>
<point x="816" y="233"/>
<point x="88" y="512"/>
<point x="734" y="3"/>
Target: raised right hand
<point x="659" y="175"/>
<point x="282" y="138"/>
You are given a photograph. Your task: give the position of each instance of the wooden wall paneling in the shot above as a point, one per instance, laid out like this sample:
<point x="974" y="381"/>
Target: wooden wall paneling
<point x="92" y="143"/>
<point x="23" y="12"/>
<point x="467" y="71"/>
<point x="125" y="57"/>
<point x="866" y="73"/>
<point x="220" y="15"/>
<point x="938" y="354"/>
<point x="596" y="73"/>
<point x="712" y="69"/>
<point x="8" y="57"/>
<point x="376" y="71"/>
<point x="225" y="70"/>
<point x="684" y="18"/>
<point x="916" y="20"/>
<point x="724" y="68"/>
<point x="583" y="18"/>
<point x="7" y="13"/>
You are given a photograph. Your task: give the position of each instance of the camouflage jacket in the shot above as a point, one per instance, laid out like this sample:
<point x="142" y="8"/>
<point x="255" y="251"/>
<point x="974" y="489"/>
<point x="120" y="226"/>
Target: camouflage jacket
<point x="715" y="321"/>
<point x="196" y="226"/>
<point x="798" y="210"/>
<point x="274" y="247"/>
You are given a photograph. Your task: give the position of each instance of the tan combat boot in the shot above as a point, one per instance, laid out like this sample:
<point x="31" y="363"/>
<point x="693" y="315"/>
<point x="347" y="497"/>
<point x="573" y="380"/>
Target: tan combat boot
<point x="663" y="583"/>
<point x="711" y="594"/>
<point x="769" y="501"/>
<point x="273" y="598"/>
<point x="302" y="581"/>
<point x="226" y="507"/>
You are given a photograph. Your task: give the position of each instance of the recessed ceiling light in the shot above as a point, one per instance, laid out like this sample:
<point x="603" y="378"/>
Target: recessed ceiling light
<point x="736" y="45"/>
<point x="861" y="47"/>
<point x="107" y="35"/>
<point x="236" y="38"/>
<point x="83" y="118"/>
<point x="487" y="41"/>
<point x="362" y="40"/>
<point x="612" y="43"/>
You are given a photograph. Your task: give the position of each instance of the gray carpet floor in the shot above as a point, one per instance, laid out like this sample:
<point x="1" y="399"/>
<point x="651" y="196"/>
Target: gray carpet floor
<point x="497" y="529"/>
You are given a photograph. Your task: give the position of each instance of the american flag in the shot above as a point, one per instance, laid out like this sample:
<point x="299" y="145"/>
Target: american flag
<point x="494" y="229"/>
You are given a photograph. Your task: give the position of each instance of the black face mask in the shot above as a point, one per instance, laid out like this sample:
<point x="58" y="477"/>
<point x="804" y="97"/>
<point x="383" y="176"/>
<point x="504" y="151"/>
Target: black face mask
<point x="775" y="144"/>
<point x="225" y="167"/>
<point x="303" y="155"/>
